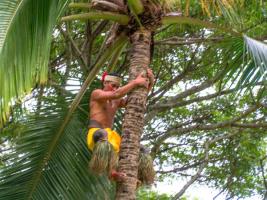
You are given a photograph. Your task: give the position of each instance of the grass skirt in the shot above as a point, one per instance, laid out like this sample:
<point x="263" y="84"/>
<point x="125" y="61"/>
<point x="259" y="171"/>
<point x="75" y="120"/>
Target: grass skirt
<point x="103" y="159"/>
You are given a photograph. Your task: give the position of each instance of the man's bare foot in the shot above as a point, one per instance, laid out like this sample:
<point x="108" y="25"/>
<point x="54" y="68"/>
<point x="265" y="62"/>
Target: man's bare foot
<point x="117" y="176"/>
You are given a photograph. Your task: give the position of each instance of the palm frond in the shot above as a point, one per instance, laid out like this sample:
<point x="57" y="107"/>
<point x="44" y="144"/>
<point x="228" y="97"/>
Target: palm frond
<point x="258" y="50"/>
<point x="248" y="63"/>
<point x="219" y="7"/>
<point x="227" y="9"/>
<point x="61" y="137"/>
<point x="210" y="8"/>
<point x="115" y="58"/>
<point x="26" y="28"/>
<point x="192" y="21"/>
<point x="255" y="66"/>
<point x="65" y="175"/>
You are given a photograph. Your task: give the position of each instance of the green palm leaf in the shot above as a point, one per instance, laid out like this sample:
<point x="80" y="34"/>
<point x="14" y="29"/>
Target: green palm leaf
<point x="65" y="175"/>
<point x="247" y="63"/>
<point x="60" y="140"/>
<point x="258" y="52"/>
<point x="255" y="63"/>
<point x="26" y="27"/>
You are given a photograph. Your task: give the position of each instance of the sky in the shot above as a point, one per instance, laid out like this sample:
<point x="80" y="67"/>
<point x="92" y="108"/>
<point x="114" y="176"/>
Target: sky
<point x="195" y="191"/>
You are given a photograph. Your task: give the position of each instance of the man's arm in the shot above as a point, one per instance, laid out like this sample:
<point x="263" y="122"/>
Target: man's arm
<point x="120" y="92"/>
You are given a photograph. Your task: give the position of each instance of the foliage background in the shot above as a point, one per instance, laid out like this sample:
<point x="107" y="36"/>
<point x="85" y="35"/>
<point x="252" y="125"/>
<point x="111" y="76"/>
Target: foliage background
<point x="205" y="121"/>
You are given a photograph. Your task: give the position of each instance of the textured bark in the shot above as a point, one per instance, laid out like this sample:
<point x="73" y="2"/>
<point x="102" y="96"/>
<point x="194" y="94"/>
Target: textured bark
<point x="134" y="117"/>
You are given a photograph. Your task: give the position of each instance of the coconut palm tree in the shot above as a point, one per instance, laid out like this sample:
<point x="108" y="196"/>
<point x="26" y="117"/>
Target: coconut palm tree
<point x="136" y="21"/>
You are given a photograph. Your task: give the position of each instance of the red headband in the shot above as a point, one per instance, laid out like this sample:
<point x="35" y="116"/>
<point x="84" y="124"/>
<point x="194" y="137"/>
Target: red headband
<point x="107" y="77"/>
<point x="104" y="75"/>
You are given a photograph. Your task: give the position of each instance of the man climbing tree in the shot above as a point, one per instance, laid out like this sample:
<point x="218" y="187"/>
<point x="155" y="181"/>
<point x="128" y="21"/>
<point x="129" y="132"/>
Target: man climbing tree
<point x="216" y="142"/>
<point x="101" y="139"/>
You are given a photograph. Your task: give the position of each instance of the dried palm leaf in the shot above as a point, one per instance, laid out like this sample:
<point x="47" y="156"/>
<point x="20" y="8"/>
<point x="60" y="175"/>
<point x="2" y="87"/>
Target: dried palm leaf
<point x="104" y="158"/>
<point x="146" y="172"/>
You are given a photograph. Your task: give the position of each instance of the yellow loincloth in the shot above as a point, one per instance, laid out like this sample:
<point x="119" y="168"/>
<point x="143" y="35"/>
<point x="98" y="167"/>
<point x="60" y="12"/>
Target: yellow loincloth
<point x="113" y="138"/>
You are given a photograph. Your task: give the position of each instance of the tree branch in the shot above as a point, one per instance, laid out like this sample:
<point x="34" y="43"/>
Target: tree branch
<point x="195" y="177"/>
<point x="204" y="163"/>
<point x="176" y="79"/>
<point x="181" y="168"/>
<point x="186" y="41"/>
<point x="263" y="175"/>
<point x="173" y="100"/>
<point x="75" y="46"/>
<point x="180" y="131"/>
<point x="160" y="107"/>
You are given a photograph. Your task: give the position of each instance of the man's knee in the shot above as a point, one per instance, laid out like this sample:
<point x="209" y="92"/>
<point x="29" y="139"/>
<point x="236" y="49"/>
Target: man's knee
<point x="100" y="134"/>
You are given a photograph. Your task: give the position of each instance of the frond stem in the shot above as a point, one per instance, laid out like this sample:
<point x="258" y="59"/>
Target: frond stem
<point x="80" y="5"/>
<point x="189" y="20"/>
<point x="136" y="6"/>
<point x="120" y="18"/>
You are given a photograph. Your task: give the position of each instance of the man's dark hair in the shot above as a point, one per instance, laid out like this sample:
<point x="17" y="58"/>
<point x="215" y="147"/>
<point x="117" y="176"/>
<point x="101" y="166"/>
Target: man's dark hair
<point x="100" y="134"/>
<point x="114" y="74"/>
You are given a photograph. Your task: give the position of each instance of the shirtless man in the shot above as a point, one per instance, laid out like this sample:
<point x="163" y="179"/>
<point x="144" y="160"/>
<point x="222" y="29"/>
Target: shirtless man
<point x="103" y="106"/>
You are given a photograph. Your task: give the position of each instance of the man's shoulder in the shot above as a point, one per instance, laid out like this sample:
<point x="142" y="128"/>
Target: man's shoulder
<point x="96" y="94"/>
<point x="97" y="91"/>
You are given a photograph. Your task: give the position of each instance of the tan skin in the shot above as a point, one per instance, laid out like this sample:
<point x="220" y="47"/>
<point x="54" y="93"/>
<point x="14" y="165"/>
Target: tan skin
<point x="105" y="102"/>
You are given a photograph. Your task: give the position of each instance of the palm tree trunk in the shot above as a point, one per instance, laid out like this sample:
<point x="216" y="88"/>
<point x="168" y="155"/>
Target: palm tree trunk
<point x="134" y="116"/>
